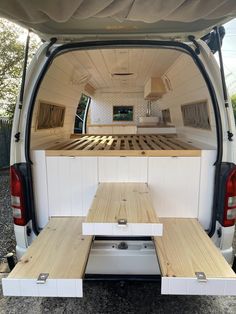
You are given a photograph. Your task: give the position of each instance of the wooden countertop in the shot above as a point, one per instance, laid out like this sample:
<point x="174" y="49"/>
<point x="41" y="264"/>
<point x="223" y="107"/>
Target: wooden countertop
<point x="110" y="125"/>
<point x="156" y="125"/>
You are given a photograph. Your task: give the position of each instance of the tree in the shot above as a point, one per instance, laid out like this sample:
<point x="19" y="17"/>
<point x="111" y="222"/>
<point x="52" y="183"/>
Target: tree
<point x="11" y="63"/>
<point x="233" y="100"/>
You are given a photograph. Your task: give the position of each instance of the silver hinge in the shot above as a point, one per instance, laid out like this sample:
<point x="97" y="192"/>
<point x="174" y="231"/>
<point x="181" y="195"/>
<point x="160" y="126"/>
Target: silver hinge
<point x="122" y="221"/>
<point x="42" y="278"/>
<point x="201" y="277"/>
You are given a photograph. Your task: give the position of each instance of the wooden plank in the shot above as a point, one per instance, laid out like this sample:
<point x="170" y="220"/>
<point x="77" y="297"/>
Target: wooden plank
<point x="93" y="143"/>
<point x="60" y="250"/>
<point x="142" y="143"/>
<point x="185" y="248"/>
<point x="122" y="201"/>
<point x="162" y="144"/>
<point x="115" y="201"/>
<point x="152" y="143"/>
<point x="115" y="152"/>
<point x="109" y="144"/>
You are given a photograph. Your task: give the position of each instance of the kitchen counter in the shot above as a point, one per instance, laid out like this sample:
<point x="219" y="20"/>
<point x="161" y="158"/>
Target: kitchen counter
<point x="158" y="128"/>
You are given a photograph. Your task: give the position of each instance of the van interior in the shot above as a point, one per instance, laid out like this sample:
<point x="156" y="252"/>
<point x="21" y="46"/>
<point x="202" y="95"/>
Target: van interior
<point x="123" y="144"/>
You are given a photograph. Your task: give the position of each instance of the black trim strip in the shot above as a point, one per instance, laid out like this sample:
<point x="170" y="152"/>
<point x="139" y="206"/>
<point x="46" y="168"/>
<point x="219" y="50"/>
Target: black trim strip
<point x="137" y="44"/>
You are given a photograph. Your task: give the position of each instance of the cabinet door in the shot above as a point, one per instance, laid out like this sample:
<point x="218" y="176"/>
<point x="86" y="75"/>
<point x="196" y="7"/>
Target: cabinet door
<point x="72" y="183"/>
<point x="174" y="185"/>
<point x="122" y="169"/>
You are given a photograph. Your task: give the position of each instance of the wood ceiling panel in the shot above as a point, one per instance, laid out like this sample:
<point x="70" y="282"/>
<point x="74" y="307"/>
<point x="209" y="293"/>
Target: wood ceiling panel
<point x="144" y="63"/>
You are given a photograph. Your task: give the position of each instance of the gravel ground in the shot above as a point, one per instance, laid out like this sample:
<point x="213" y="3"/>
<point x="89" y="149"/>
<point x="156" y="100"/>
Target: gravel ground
<point x="7" y="238"/>
<point x="102" y="297"/>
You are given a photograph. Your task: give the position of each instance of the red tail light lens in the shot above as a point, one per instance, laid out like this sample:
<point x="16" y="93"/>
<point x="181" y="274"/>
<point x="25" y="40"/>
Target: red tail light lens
<point x="230" y="200"/>
<point x="17" y="198"/>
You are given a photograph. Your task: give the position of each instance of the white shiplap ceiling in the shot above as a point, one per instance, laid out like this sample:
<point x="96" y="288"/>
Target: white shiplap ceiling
<point x="97" y="66"/>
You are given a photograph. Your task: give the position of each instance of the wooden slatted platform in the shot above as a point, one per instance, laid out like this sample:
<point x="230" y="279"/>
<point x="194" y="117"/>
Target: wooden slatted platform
<point x="123" y="145"/>
<point x="130" y="202"/>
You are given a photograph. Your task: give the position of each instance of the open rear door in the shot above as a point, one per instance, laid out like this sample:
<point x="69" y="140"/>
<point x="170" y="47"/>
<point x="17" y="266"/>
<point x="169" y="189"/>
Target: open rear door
<point x="190" y="263"/>
<point x="54" y="264"/>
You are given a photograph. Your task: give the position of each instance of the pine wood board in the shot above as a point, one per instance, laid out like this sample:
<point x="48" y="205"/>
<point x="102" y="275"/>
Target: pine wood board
<point x="185" y="248"/>
<point x="114" y="201"/>
<point x="60" y="250"/>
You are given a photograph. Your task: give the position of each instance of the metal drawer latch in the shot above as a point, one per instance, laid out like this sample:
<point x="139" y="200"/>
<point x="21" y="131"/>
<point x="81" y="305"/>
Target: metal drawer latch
<point x="42" y="278"/>
<point x="122" y="222"/>
<point x="201" y="277"/>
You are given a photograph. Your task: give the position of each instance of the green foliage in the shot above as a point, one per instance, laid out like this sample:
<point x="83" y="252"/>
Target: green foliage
<point x="233" y="100"/>
<point x="11" y="63"/>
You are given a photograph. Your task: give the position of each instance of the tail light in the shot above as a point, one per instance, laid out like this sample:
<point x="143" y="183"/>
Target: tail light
<point x="230" y="199"/>
<point x="17" y="197"/>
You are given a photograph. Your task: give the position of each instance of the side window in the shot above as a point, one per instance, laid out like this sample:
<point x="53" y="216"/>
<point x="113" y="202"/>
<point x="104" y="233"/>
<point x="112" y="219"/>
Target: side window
<point x="196" y="115"/>
<point x="81" y="114"/>
<point x="50" y="116"/>
<point x="166" y="116"/>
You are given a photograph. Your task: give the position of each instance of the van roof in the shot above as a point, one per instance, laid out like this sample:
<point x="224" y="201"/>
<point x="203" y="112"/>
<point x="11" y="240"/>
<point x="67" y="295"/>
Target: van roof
<point x="72" y="19"/>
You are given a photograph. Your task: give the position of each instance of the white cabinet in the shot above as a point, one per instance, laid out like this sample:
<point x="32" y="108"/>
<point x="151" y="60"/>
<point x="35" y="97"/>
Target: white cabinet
<point x="72" y="184"/>
<point x="112" y="129"/>
<point x="122" y="169"/>
<point x="174" y="185"/>
<point x="154" y="88"/>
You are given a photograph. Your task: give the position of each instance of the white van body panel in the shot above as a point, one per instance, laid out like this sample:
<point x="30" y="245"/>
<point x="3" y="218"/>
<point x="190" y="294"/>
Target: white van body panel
<point x="119" y="169"/>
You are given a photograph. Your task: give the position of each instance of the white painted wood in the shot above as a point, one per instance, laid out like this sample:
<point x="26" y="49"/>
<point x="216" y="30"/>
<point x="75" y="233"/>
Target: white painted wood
<point x="187" y="87"/>
<point x="206" y="187"/>
<point x="191" y="286"/>
<point x="174" y="185"/>
<point x="116" y="129"/>
<point x="40" y="186"/>
<point x="52" y="288"/>
<point x="72" y="183"/>
<point x="131" y="229"/>
<point x="154" y="130"/>
<point x="122" y="169"/>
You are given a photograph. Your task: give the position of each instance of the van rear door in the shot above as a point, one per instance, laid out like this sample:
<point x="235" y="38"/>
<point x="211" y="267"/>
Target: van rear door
<point x="71" y="20"/>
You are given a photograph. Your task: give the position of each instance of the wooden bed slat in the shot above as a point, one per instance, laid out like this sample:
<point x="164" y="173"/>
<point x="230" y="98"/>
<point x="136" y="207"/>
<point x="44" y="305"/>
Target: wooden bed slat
<point x="125" y="145"/>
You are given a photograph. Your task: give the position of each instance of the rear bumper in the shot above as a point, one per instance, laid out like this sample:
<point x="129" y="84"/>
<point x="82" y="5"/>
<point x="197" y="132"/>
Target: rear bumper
<point x="228" y="255"/>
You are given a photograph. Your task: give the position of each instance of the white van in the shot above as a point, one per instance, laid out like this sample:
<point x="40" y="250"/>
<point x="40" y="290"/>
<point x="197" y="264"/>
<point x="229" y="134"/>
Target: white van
<point x="123" y="148"/>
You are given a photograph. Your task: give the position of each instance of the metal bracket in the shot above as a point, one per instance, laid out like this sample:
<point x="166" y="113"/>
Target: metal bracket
<point x="122" y="222"/>
<point x="201" y="277"/>
<point x="42" y="278"/>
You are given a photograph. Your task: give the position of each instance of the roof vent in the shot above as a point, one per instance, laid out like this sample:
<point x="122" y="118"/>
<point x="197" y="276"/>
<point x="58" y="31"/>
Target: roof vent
<point x="122" y="74"/>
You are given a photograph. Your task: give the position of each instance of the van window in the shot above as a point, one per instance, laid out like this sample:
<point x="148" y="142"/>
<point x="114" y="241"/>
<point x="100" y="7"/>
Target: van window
<point x="81" y="114"/>
<point x="196" y="115"/>
<point x="50" y="116"/>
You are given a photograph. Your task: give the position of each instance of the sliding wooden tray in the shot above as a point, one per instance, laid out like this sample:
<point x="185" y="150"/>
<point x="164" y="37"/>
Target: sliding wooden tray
<point x="122" y="209"/>
<point x="123" y="145"/>
<point x="61" y="251"/>
<point x="186" y="255"/>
